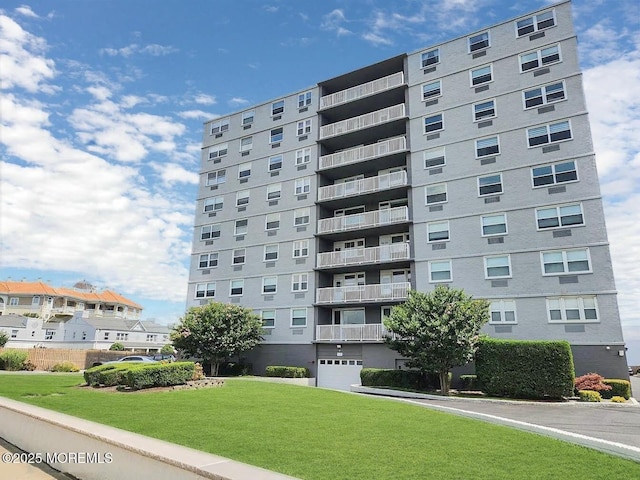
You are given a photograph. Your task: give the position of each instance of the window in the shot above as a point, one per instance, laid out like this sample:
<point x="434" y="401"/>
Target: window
<point x="494" y="224"/>
<point x="433" y="123"/>
<point x="275" y="163"/>
<point x="268" y="318"/>
<point x="490" y="185"/>
<point x="440" y="271"/>
<point x="213" y="204"/>
<point x="298" y="317"/>
<point x="484" y="110"/>
<point x="502" y="311"/>
<point x="539" y="58"/>
<point x="49" y="334"/>
<point x="438" y="231"/>
<point x="562" y="262"/>
<point x="498" y="266"/>
<point x="244" y="170"/>
<point x="241" y="227"/>
<point x="301" y="248"/>
<point x="304" y="99"/>
<point x="206" y="290"/>
<point x="216" y="178"/>
<point x="436" y="193"/>
<point x="481" y="75"/>
<point x="303" y="185"/>
<point x="559" y="216"/>
<point x="271" y="253"/>
<point x="432" y="57"/>
<point x="544" y="95"/>
<point x="208" y="260"/>
<point x="219" y="126"/>
<point x="553" y="174"/>
<point x="236" y="288"/>
<point x="14" y="333"/>
<point x="218" y="151"/>
<point x="151" y="337"/>
<point x="555" y="132"/>
<point x="301" y="216"/>
<point x="210" y="231"/>
<point x="478" y="42"/>
<point x="106" y="336"/>
<point x="273" y="191"/>
<point x="242" y="198"/>
<point x="572" y="309"/>
<point x="487" y="146"/>
<point x="246" y="144"/>
<point x="35" y="301"/>
<point x="535" y="23"/>
<point x="122" y="336"/>
<point x="434" y="158"/>
<point x="277" y="107"/>
<point x="239" y="256"/>
<point x="303" y="127"/>
<point x="273" y="221"/>
<point x="248" y="117"/>
<point x="303" y="156"/>
<point x="276" y="135"/>
<point x="299" y="282"/>
<point x="269" y="285"/>
<point x="432" y="90"/>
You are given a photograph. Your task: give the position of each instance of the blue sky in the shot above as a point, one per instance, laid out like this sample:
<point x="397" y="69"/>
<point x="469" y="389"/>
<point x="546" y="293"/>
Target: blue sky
<point x="102" y="105"/>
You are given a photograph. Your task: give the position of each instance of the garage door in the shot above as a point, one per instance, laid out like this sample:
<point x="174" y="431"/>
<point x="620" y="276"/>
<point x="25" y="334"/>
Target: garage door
<point x="339" y="374"/>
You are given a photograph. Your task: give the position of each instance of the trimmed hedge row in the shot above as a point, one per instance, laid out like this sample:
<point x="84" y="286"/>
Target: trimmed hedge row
<point x="407" y="379"/>
<point x="589" y="396"/>
<point x="108" y="375"/>
<point x="159" y="375"/>
<point x="287" y="372"/>
<point x="619" y="388"/>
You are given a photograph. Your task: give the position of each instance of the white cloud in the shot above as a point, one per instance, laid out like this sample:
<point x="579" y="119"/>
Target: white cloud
<point x="238" y="102"/>
<point x="333" y="22"/>
<point x="195" y="114"/>
<point x="152" y="49"/>
<point x="204" y="99"/>
<point x="172" y="173"/>
<point x="26" y="11"/>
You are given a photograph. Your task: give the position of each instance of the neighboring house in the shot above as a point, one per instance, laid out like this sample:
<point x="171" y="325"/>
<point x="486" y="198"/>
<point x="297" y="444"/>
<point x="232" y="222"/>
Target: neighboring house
<point x="467" y="163"/>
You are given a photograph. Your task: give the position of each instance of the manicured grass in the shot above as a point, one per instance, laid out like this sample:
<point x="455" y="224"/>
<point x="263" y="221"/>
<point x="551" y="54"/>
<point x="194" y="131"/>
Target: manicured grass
<point x="318" y="434"/>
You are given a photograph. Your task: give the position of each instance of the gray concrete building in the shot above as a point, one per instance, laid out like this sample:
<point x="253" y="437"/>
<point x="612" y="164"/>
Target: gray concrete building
<point x="468" y="163"/>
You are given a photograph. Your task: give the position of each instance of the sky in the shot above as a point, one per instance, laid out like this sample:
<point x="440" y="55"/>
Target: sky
<point x="102" y="105"/>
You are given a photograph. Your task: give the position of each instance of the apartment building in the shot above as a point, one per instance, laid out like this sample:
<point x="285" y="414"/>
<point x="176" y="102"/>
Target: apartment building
<point x="468" y="163"/>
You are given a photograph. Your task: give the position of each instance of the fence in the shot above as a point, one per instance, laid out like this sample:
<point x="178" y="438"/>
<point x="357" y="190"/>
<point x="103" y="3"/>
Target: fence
<point x="45" y="358"/>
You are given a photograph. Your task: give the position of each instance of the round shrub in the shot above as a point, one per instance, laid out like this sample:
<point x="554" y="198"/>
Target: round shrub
<point x="589" y="396"/>
<point x="65" y="367"/>
<point x="617" y="399"/>
<point x="13" y="360"/>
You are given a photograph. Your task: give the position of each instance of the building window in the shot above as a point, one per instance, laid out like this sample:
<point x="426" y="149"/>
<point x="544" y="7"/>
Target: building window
<point x="14" y="301"/>
<point x="277" y="107"/>
<point x="303" y="156"/>
<point x="271" y="253"/>
<point x="122" y="336"/>
<point x="302" y="185"/>
<point x="239" y="256"/>
<point x="49" y="334"/>
<point x="244" y="170"/>
<point x="432" y="90"/>
<point x="246" y="144"/>
<point x="216" y="178"/>
<point x="210" y="231"/>
<point x="301" y="248"/>
<point x="272" y="221"/>
<point x="436" y="193"/>
<point x="268" y="318"/>
<point x="540" y="58"/>
<point x="236" y="288"/>
<point x="106" y="336"/>
<point x="276" y="135"/>
<point x="535" y="23"/>
<point x="206" y="290"/>
<point x="275" y="163"/>
<point x="440" y="271"/>
<point x="241" y="227"/>
<point x="298" y="317"/>
<point x="487" y="146"/>
<point x="498" y="266"/>
<point x="502" y="311"/>
<point x="555" y="132"/>
<point x="219" y="126"/>
<point x="304" y="99"/>
<point x="484" y="110"/>
<point x="218" y="151"/>
<point x="274" y="191"/>
<point x="554" y="174"/>
<point x="242" y="198"/>
<point x="208" y="260"/>
<point x="213" y="204"/>
<point x="14" y="333"/>
<point x="299" y="282"/>
<point x="432" y="57"/>
<point x="433" y="123"/>
<point x="552" y="93"/>
<point x="434" y="158"/>
<point x="562" y="262"/>
<point x="481" y="75"/>
<point x="494" y="224"/>
<point x="559" y="216"/>
<point x="269" y="285"/>
<point x="572" y="309"/>
<point x="151" y="337"/>
<point x="35" y="301"/>
<point x="438" y="231"/>
<point x="248" y="117"/>
<point x="490" y="185"/>
<point x="303" y="127"/>
<point x="301" y="216"/>
<point x="478" y="42"/>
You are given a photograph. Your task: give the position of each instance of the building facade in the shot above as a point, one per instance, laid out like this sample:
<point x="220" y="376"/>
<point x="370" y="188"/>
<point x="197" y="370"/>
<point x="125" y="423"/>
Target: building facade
<point x="468" y="163"/>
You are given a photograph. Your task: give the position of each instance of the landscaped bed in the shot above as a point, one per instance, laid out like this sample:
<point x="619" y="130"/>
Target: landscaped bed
<point x="318" y="434"/>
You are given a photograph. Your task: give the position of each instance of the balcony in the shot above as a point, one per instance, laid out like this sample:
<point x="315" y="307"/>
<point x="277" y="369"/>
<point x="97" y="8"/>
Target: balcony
<point x="358" y="221"/>
<point x="363" y="186"/>
<point x="361" y="122"/>
<point x="363" y="154"/>
<point x="373" y="332"/>
<point x="359" y="256"/>
<point x="360" y="91"/>
<point x="381" y="292"/>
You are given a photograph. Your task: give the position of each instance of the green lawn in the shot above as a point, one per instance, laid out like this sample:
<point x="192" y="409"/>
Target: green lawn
<point x="318" y="434"/>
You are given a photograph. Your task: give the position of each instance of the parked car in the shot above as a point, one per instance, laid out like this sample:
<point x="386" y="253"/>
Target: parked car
<point x="129" y="358"/>
<point x="631" y="372"/>
<point x="162" y="356"/>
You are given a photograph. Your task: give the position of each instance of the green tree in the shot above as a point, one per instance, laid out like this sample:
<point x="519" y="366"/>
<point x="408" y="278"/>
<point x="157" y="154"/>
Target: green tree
<point x="4" y="338"/>
<point x="216" y="332"/>
<point x="437" y="331"/>
<point x="168" y="349"/>
<point x="116" y="346"/>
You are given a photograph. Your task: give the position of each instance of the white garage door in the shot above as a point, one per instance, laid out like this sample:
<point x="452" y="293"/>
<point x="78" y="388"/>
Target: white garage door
<point x="339" y="374"/>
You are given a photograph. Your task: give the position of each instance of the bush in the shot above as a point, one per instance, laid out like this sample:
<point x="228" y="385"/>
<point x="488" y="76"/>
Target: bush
<point x="617" y="399"/>
<point x="13" y="360"/>
<point x="108" y="375"/>
<point x="159" y="374"/>
<point x="589" y="396"/>
<point x="469" y="382"/>
<point x="168" y="349"/>
<point x="65" y="367"/>
<point x="117" y="347"/>
<point x="287" y="372"/>
<point x="591" y="381"/>
<point x="619" y="388"/>
<point x="406" y="379"/>
<point x="525" y="369"/>
<point x="233" y="369"/>
<point x="4" y="338"/>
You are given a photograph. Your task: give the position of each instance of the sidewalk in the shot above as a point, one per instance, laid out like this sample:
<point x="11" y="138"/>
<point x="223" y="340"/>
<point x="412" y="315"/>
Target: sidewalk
<point x="24" y="471"/>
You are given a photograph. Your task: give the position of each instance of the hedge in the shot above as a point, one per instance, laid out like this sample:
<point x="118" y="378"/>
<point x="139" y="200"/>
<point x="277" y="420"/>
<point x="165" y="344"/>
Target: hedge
<point x="589" y="396"/>
<point x="525" y="369"/>
<point x="287" y="372"/>
<point x="108" y="375"/>
<point x="13" y="360"/>
<point x="407" y="379"/>
<point x="159" y="374"/>
<point x="468" y="382"/>
<point x="619" y="388"/>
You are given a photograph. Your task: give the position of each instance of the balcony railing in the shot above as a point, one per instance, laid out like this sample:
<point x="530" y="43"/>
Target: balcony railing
<point x="380" y="292"/>
<point x="364" y="90"/>
<point x="375" y="218"/>
<point x="359" y="256"/>
<point x="362" y="154"/>
<point x="363" y="186"/>
<point x="356" y="333"/>
<point x="363" y="121"/>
